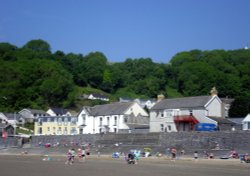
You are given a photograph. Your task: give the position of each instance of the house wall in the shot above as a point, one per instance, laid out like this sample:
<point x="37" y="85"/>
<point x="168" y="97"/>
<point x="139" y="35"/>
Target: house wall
<point x="55" y="128"/>
<point x="161" y="121"/>
<point x="214" y="107"/>
<point x="246" y="125"/>
<point x="93" y="124"/>
<point x="136" y="109"/>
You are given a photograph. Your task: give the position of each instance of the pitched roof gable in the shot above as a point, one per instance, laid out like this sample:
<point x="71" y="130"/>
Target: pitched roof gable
<point x="187" y="102"/>
<point x="110" y="109"/>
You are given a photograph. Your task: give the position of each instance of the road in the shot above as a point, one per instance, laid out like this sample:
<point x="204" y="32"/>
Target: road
<point x="13" y="165"/>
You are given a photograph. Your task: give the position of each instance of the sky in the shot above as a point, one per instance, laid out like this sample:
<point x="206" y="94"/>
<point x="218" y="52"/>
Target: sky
<point x="122" y="29"/>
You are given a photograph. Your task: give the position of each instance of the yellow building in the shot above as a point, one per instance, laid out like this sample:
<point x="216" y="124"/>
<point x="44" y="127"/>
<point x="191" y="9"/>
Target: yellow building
<point x="56" y="125"/>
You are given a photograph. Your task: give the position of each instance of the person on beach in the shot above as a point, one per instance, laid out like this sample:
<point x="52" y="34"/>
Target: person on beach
<point x="83" y="154"/>
<point x="195" y="155"/>
<point x="173" y="152"/>
<point x="69" y="158"/>
<point x="79" y="154"/>
<point x="73" y="154"/>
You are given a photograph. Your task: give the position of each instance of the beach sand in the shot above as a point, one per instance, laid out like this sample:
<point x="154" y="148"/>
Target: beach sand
<point x="34" y="165"/>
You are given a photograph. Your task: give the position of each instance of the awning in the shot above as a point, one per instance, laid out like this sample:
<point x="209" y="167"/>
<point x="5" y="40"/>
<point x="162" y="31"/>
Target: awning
<point x="185" y="118"/>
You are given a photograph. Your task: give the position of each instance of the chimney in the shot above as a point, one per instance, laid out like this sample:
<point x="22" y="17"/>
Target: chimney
<point x="213" y="91"/>
<point x="160" y="97"/>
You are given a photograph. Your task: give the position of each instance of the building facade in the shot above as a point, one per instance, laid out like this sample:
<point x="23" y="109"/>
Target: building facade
<point x="181" y="114"/>
<point x="110" y="117"/>
<point x="56" y="125"/>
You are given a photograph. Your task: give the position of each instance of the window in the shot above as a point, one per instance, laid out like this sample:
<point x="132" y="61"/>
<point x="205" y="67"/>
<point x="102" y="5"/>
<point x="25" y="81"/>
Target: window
<point x="73" y="121"/>
<point x="191" y="112"/>
<point x="84" y="119"/>
<point x="115" y="119"/>
<point x="48" y="129"/>
<point x="162" y="127"/>
<point x="66" y="121"/>
<point x="40" y="122"/>
<point x="81" y="131"/>
<point x="59" y="131"/>
<point x="54" y="130"/>
<point x="73" y="130"/>
<point x="108" y="121"/>
<point x="60" y="121"/>
<point x="55" y="119"/>
<point x="248" y="125"/>
<point x="169" y="114"/>
<point x="115" y="130"/>
<point x="48" y="120"/>
<point x="100" y="122"/>
<point x="40" y="131"/>
<point x="125" y="119"/>
<point x="162" y="114"/>
<point x="65" y="131"/>
<point x="169" y="127"/>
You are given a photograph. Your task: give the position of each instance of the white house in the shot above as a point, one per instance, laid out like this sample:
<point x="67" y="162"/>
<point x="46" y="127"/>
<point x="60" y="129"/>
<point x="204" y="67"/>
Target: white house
<point x="29" y="115"/>
<point x="181" y="114"/>
<point x="246" y="123"/>
<point x="115" y="117"/>
<point x="95" y="96"/>
<point x="149" y="103"/>
<point x="11" y="118"/>
<point x="58" y="112"/>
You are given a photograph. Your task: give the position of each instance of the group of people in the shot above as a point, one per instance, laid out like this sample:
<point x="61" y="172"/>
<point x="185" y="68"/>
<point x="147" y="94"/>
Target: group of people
<point x="71" y="154"/>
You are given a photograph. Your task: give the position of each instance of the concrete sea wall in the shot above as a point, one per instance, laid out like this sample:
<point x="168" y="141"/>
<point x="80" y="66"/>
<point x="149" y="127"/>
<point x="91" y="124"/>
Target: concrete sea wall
<point x="158" y="142"/>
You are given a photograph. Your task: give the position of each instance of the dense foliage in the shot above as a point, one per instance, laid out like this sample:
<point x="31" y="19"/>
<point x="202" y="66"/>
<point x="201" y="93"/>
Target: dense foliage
<point x="32" y="76"/>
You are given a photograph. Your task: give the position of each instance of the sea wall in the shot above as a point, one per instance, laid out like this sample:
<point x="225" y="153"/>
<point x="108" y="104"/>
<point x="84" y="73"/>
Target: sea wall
<point x="158" y="142"/>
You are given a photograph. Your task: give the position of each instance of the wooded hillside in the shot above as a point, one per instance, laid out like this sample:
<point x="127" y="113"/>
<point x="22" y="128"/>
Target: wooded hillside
<point x="32" y="76"/>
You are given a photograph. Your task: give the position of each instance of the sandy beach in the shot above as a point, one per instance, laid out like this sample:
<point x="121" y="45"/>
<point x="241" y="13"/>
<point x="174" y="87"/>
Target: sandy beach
<point x="34" y="165"/>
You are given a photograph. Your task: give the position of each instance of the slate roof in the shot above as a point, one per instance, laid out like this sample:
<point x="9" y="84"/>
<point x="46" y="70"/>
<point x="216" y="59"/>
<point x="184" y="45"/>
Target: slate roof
<point x="236" y="120"/>
<point x="59" y="110"/>
<point x="221" y="120"/>
<point x="99" y="95"/>
<point x="45" y="118"/>
<point x="110" y="109"/>
<point x="3" y="126"/>
<point x="227" y="100"/>
<point x="12" y="116"/>
<point x="187" y="102"/>
<point x="37" y="111"/>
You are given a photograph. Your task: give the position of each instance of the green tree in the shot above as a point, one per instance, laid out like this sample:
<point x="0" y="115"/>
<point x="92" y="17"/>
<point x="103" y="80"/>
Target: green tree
<point x="37" y="45"/>
<point x="240" y="107"/>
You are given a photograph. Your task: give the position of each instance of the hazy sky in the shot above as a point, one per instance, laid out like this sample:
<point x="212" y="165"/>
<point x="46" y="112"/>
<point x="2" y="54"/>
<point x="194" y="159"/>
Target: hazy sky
<point x="124" y="29"/>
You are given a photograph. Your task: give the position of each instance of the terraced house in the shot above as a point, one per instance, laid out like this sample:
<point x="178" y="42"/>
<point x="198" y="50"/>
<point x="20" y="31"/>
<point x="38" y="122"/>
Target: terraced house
<point x="115" y="118"/>
<point x="56" y="125"/>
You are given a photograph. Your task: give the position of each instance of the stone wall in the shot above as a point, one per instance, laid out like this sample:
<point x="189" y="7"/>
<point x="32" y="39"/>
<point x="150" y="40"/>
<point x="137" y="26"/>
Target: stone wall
<point x="158" y="142"/>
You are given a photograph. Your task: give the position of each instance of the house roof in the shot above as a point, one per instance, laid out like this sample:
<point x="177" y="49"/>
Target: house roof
<point x="227" y="100"/>
<point x="12" y="116"/>
<point x="59" y="110"/>
<point x="3" y="126"/>
<point x="116" y="108"/>
<point x="36" y="111"/>
<point x="99" y="95"/>
<point x="45" y="118"/>
<point x="221" y="120"/>
<point x="236" y="120"/>
<point x="187" y="102"/>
